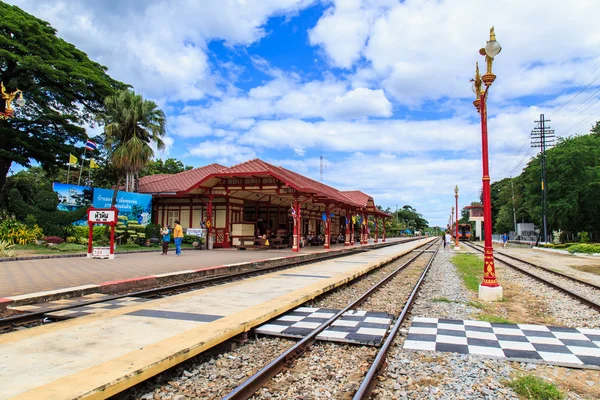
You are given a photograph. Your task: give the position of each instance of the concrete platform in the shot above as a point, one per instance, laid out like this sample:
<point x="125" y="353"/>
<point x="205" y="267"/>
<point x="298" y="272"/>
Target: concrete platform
<point x="101" y="354"/>
<point x="29" y="282"/>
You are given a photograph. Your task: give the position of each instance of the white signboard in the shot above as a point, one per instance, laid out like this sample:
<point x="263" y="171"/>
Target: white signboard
<point x="101" y="252"/>
<point x="102" y="216"/>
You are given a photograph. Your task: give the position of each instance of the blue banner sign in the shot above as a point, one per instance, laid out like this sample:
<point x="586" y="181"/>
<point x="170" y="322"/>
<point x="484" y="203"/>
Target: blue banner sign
<point x="135" y="206"/>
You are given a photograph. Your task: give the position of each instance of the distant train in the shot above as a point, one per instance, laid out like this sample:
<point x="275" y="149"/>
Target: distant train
<point x="464" y="231"/>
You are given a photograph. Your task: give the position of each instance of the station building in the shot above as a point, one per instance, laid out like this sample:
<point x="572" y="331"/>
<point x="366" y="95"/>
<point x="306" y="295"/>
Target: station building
<point x="255" y="198"/>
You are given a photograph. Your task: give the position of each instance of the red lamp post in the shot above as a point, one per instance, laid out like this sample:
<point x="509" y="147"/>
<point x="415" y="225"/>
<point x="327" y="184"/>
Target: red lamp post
<point x="489" y="289"/>
<point x="456" y="246"/>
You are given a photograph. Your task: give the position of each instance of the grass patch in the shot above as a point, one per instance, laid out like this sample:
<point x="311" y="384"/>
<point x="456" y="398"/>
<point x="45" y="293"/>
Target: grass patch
<point x="475" y="304"/>
<point x="441" y="300"/>
<point x="591" y="269"/>
<point x="494" y="319"/>
<point x="532" y="387"/>
<point x="470" y="269"/>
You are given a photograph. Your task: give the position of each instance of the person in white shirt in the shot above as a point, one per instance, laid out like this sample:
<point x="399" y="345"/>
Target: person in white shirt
<point x="448" y="240"/>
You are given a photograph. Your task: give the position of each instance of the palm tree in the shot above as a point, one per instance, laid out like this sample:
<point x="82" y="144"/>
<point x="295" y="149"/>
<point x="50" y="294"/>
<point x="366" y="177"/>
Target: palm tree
<point x="131" y="125"/>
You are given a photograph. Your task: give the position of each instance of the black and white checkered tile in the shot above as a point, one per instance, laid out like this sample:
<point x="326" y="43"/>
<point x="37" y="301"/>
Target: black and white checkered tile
<point x="361" y="327"/>
<point x="551" y="344"/>
<point x="96" y="308"/>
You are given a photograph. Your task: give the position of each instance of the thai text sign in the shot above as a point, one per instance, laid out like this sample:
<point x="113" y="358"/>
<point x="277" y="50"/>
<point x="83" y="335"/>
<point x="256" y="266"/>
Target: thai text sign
<point x="101" y="252"/>
<point x="102" y="216"/>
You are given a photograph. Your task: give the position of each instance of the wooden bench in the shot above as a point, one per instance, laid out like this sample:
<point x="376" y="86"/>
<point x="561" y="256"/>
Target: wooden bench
<point x="277" y="243"/>
<point x="252" y="244"/>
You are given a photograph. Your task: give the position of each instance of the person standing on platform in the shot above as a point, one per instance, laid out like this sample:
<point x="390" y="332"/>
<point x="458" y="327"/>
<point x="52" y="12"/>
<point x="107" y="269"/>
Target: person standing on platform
<point x="177" y="237"/>
<point x="444" y="239"/>
<point x="448" y="240"/>
<point x="504" y="240"/>
<point x="166" y="238"/>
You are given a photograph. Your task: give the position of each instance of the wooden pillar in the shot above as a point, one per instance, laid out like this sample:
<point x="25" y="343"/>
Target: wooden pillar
<point x="363" y="231"/>
<point x="383" y="230"/>
<point x="191" y="213"/>
<point x="376" y="230"/>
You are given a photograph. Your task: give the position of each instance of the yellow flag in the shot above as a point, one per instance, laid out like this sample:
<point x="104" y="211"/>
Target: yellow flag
<point x="72" y="159"/>
<point x="93" y="164"/>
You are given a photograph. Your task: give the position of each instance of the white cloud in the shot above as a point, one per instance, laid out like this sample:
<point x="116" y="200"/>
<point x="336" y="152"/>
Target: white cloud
<point x="426" y="50"/>
<point x="160" y="47"/>
<point x="223" y="151"/>
<point x="299" y="152"/>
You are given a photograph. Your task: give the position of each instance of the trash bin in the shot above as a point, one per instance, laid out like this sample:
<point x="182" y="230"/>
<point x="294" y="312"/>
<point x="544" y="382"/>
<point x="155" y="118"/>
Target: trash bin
<point x="211" y="240"/>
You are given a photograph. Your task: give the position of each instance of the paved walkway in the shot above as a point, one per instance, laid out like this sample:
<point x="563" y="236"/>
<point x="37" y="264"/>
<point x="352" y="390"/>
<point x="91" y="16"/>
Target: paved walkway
<point x="24" y="277"/>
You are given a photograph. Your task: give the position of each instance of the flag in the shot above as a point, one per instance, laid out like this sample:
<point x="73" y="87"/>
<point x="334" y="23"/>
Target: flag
<point x="293" y="210"/>
<point x="89" y="145"/>
<point x="72" y="159"/>
<point x="93" y="164"/>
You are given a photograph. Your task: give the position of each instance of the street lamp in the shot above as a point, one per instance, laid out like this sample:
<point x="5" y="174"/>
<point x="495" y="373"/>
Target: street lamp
<point x="489" y="289"/>
<point x="456" y="246"/>
<point x="8" y="99"/>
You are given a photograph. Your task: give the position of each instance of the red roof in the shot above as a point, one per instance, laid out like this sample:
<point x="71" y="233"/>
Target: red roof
<point x="290" y="178"/>
<point x="188" y="180"/>
<point x="165" y="183"/>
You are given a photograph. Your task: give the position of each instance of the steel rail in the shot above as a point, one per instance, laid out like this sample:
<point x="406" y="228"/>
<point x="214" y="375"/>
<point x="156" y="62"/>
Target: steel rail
<point x="590" y="303"/>
<point x="23" y="319"/>
<point x="589" y="284"/>
<point x="368" y="383"/>
<point x="256" y="381"/>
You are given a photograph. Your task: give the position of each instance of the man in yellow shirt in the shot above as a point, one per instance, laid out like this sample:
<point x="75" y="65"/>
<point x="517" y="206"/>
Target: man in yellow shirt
<point x="177" y="237"/>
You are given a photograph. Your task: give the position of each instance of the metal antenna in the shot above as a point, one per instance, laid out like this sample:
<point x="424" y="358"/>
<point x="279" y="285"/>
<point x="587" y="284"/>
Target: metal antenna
<point x="321" y="166"/>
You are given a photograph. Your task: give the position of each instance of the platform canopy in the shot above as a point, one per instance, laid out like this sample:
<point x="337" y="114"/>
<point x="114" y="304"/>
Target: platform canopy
<point x="259" y="181"/>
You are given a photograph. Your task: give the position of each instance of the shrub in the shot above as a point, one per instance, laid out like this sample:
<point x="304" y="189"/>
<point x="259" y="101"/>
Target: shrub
<point x="584" y="248"/>
<point x="69" y="247"/>
<point x="189" y="239"/>
<point x="71" y="239"/>
<point x="30" y="220"/>
<point x="14" y="231"/>
<point x="54" y="239"/>
<point x="584" y="237"/>
<point x="6" y="249"/>
<point x="82" y="240"/>
<point x="152" y="231"/>
<point x="556" y="235"/>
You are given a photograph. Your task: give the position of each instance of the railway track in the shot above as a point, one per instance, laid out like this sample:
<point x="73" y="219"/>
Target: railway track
<point x="264" y="376"/>
<point x="582" y="291"/>
<point x="11" y="323"/>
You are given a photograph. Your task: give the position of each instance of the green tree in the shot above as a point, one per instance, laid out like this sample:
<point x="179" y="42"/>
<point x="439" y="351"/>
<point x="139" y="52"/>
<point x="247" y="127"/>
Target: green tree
<point x="131" y="125"/>
<point x="169" y="166"/>
<point x="62" y="87"/>
<point x="573" y="185"/>
<point x="409" y="218"/>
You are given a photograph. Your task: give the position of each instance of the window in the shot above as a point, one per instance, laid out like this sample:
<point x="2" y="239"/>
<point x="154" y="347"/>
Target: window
<point x="172" y="216"/>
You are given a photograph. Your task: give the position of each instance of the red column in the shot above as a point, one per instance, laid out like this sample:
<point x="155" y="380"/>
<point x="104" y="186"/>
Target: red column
<point x="327" y="228"/>
<point x="90" y="239"/>
<point x="365" y="225"/>
<point x="352" y="239"/>
<point x="296" y="230"/>
<point x="376" y="230"/>
<point x="489" y="270"/>
<point x="347" y="241"/>
<point x="383" y="231"/>
<point x="209" y="221"/>
<point x="111" y="254"/>
<point x="456" y="233"/>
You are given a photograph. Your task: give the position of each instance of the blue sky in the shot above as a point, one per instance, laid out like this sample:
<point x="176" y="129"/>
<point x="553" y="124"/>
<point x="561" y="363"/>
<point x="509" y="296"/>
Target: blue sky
<point x="379" y="87"/>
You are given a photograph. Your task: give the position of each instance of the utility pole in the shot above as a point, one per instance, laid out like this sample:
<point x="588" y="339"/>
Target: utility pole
<point x="321" y="166"/>
<point x="512" y="185"/>
<point x="542" y="136"/>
